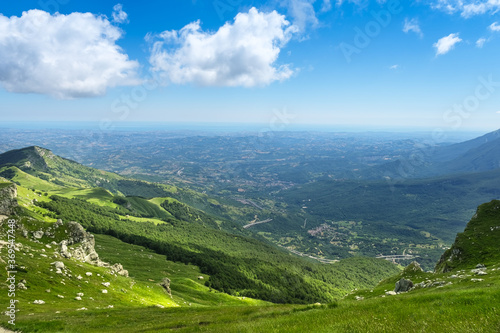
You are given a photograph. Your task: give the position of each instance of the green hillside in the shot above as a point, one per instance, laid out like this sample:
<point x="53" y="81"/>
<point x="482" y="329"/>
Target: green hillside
<point x="236" y="262"/>
<point x="478" y="244"/>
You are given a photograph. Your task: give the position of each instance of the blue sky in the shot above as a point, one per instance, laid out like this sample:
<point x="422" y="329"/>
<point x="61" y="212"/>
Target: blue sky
<point x="381" y="64"/>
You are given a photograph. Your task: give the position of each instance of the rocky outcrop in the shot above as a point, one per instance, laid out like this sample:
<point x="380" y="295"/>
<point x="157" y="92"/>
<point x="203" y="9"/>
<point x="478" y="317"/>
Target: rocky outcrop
<point x="85" y="251"/>
<point x="403" y="286"/>
<point x="8" y="195"/>
<point x="165" y="283"/>
<point x="80" y="245"/>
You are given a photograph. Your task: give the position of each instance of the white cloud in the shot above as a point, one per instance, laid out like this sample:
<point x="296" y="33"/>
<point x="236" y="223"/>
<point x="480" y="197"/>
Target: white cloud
<point x="65" y="56"/>
<point x="494" y="26"/>
<point x="412" y="25"/>
<point x="241" y="53"/>
<point x="327" y="6"/>
<point x="480" y="42"/>
<point x="446" y="44"/>
<point x="394" y="67"/>
<point x="302" y="14"/>
<point x="467" y="8"/>
<point x="119" y="16"/>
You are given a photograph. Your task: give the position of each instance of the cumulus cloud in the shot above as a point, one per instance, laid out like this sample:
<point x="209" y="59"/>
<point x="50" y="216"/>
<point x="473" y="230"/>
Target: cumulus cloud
<point x="412" y="25"/>
<point x="467" y="8"/>
<point x="394" y="67"/>
<point x="446" y="44"/>
<point x="495" y="26"/>
<point x="65" y="56"/>
<point x="241" y="53"/>
<point x="119" y="16"/>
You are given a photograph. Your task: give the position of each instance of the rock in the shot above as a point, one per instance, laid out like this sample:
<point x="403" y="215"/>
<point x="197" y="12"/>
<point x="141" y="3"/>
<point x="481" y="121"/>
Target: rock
<point x="58" y="223"/>
<point x="480" y="266"/>
<point x="38" y="301"/>
<point x="81" y="309"/>
<point x="47" y="290"/>
<point x="200" y="277"/>
<point x="390" y="293"/>
<point x="79" y="294"/>
<point x="60" y="296"/>
<point x="106" y="284"/>
<point x="78" y="298"/>
<point x="104" y="291"/>
<point x="476" y="280"/>
<point x="58" y="264"/>
<point x="165" y="283"/>
<point x="359" y="298"/>
<point x="88" y="273"/>
<point x="118" y="269"/>
<point x="8" y="200"/>
<point x="403" y="286"/>
<point x="38" y="234"/>
<point x="79" y="277"/>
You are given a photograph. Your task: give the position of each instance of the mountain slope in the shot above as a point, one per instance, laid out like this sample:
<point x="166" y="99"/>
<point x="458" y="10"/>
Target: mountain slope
<point x="478" y="244"/>
<point x="236" y="262"/>
<point x="451" y="152"/>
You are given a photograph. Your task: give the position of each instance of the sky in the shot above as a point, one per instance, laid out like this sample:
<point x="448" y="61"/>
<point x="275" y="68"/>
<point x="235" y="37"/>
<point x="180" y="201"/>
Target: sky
<point x="379" y="64"/>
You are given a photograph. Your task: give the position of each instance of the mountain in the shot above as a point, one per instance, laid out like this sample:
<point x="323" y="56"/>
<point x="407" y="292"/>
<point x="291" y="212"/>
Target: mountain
<point x="478" y="244"/>
<point x="454" y="151"/>
<point x="43" y="164"/>
<point x="476" y="155"/>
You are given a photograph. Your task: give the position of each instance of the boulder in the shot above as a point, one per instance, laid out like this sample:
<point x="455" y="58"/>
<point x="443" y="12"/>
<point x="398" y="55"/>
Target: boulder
<point x="165" y="283"/>
<point x="403" y="285"/>
<point x="118" y="269"/>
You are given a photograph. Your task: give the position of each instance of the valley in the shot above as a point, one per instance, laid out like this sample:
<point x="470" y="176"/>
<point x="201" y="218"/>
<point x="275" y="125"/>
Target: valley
<point x="321" y="246"/>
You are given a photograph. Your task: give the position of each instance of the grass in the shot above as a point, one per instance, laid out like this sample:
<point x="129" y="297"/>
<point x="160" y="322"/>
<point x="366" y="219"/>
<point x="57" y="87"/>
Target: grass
<point x="465" y="308"/>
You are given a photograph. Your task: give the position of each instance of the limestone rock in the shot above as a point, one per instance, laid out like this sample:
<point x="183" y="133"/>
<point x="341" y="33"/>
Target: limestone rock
<point x="118" y="269"/>
<point x="403" y="285"/>
<point x="165" y="283"/>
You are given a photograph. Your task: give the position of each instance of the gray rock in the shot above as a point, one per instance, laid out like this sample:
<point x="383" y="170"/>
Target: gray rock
<point x="38" y="234"/>
<point x="118" y="269"/>
<point x="58" y="264"/>
<point x="165" y="283"/>
<point x="403" y="285"/>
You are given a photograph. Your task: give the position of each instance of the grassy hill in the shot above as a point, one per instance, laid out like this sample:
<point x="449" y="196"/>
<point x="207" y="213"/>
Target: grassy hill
<point x="459" y="301"/>
<point x="478" y="244"/>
